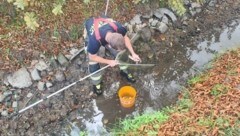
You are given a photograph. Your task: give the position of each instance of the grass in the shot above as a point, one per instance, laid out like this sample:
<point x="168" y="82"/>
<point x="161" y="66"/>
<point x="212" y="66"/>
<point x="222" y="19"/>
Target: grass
<point x="56" y="34"/>
<point x="218" y="89"/>
<point x="195" y="80"/>
<point x="74" y="33"/>
<point x="132" y="125"/>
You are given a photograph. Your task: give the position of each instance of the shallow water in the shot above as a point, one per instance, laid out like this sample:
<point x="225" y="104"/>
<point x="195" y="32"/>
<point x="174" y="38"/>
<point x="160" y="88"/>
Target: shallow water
<point x="159" y="86"/>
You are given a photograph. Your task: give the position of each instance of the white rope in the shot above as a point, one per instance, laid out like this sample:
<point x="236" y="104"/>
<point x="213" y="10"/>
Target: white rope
<point x="106" y="8"/>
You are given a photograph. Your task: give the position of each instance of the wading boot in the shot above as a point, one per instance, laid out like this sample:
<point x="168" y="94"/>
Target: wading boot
<point x="97" y="89"/>
<point x="128" y="76"/>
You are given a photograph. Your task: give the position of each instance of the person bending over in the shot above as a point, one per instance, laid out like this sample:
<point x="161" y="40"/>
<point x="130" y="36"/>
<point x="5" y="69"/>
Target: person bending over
<point x="110" y="34"/>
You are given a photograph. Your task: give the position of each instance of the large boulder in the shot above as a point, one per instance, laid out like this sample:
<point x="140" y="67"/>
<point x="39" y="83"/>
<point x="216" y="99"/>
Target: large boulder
<point x="20" y="78"/>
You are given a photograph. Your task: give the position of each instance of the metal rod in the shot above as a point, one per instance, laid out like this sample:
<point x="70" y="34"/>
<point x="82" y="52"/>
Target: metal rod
<point x="30" y="106"/>
<point x="106" y="8"/>
<point x="127" y="64"/>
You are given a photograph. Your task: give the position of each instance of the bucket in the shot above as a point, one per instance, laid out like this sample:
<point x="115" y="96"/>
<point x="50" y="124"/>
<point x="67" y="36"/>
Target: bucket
<point x="127" y="95"/>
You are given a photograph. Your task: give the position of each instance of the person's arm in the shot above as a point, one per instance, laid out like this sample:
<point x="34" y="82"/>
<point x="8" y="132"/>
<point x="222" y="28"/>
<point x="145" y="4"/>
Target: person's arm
<point x="96" y="58"/>
<point x="128" y="44"/>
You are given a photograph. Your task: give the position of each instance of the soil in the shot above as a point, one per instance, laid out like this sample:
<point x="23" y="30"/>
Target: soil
<point x="49" y="118"/>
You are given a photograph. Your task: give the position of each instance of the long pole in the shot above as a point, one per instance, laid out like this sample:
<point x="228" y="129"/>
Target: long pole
<point x="106" y="8"/>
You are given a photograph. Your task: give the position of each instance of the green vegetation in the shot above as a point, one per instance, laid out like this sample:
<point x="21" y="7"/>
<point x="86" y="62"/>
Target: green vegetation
<point x="132" y="125"/>
<point x="195" y="80"/>
<point x="218" y="89"/>
<point x="177" y="6"/>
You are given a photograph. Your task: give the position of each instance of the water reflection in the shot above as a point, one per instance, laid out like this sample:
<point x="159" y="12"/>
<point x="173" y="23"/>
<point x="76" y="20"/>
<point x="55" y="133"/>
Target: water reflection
<point x="159" y="86"/>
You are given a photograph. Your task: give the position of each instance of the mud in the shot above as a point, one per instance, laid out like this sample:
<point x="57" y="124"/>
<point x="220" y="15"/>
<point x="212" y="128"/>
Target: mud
<point x="178" y="54"/>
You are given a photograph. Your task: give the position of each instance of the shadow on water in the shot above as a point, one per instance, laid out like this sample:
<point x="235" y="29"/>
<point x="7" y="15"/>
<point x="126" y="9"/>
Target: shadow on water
<point x="159" y="86"/>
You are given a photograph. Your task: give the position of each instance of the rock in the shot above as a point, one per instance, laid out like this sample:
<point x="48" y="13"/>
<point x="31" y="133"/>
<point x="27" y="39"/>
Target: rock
<point x="60" y="76"/>
<point x="15" y="104"/>
<point x="44" y="73"/>
<point x="157" y="13"/>
<point x="164" y="11"/>
<point x="195" y="5"/>
<point x="41" y="86"/>
<point x="16" y="96"/>
<point x="7" y="93"/>
<point x="165" y="19"/>
<point x="136" y="20"/>
<point x="135" y="37"/>
<point x="162" y="27"/>
<point x="212" y="3"/>
<point x="73" y="51"/>
<point x="146" y="34"/>
<point x="42" y="56"/>
<point x="4" y="113"/>
<point x="105" y="121"/>
<point x="130" y="28"/>
<point x="41" y="65"/>
<point x="68" y="56"/>
<point x="5" y="80"/>
<point x="101" y="51"/>
<point x="49" y="85"/>
<point x="62" y="59"/>
<point x="35" y="74"/>
<point x="148" y="15"/>
<point x="154" y="23"/>
<point x="2" y="97"/>
<point x="53" y="62"/>
<point x="20" y="78"/>
<point x="29" y="95"/>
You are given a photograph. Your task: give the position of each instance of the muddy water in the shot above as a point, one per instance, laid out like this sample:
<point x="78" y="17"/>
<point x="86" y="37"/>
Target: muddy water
<point x="159" y="86"/>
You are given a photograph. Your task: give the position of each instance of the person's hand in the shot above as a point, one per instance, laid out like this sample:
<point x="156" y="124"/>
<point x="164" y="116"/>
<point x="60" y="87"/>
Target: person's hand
<point x="135" y="58"/>
<point x="113" y="63"/>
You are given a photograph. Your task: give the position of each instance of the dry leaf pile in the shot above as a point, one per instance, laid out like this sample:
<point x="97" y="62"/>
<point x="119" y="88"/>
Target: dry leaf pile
<point x="216" y="102"/>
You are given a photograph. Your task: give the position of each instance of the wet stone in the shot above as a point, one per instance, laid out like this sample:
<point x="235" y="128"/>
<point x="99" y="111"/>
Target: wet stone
<point x="136" y="20"/>
<point x="53" y="62"/>
<point x="2" y="97"/>
<point x="41" y="65"/>
<point x="49" y="85"/>
<point x="35" y="74"/>
<point x="162" y="27"/>
<point x="15" y="104"/>
<point x="29" y="95"/>
<point x="7" y="93"/>
<point x="60" y="76"/>
<point x="41" y="86"/>
<point x="154" y="23"/>
<point x="165" y="19"/>
<point x="62" y="59"/>
<point x="4" y="113"/>
<point x="146" y="34"/>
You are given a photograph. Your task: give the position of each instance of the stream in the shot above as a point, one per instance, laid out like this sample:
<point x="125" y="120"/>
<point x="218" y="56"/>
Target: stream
<point x="158" y="87"/>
